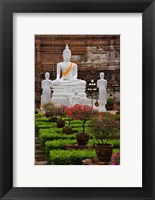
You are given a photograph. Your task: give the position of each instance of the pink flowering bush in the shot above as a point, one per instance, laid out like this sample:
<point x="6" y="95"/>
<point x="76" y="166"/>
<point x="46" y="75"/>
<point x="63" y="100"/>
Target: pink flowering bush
<point x="115" y="158"/>
<point x="80" y="112"/>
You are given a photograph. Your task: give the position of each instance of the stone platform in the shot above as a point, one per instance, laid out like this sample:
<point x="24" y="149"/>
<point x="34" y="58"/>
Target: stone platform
<point x="63" y="92"/>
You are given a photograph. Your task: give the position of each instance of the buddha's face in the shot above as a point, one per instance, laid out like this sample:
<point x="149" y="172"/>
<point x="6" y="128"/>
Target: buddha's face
<point x="47" y="75"/>
<point x="101" y="75"/>
<point x="66" y="56"/>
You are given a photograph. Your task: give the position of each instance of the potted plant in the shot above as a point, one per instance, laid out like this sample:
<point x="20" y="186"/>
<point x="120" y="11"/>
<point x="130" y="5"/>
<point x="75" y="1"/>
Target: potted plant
<point x="60" y="113"/>
<point x="103" y="128"/>
<point x="110" y="104"/>
<point x="83" y="113"/>
<point x="67" y="129"/>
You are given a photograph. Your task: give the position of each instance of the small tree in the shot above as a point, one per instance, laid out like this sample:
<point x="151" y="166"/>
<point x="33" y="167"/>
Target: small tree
<point x="81" y="112"/>
<point x="68" y="114"/>
<point x="103" y="127"/>
<point x="60" y="111"/>
<point x="48" y="109"/>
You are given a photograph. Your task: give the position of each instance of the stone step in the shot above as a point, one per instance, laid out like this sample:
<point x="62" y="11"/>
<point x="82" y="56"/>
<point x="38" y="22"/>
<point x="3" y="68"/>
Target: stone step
<point x="41" y="163"/>
<point x="39" y="152"/>
<point x="37" y="140"/>
<point x="38" y="146"/>
<point x="41" y="158"/>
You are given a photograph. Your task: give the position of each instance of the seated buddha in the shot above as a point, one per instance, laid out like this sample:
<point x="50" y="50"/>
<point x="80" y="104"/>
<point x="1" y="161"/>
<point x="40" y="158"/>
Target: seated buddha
<point x="67" y="71"/>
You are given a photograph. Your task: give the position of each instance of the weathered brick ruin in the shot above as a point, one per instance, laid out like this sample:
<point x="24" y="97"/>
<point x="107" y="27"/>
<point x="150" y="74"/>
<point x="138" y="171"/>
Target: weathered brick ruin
<point x="92" y="53"/>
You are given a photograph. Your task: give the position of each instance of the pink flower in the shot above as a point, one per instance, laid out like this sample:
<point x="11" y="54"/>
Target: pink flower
<point x="117" y="154"/>
<point x="115" y="158"/>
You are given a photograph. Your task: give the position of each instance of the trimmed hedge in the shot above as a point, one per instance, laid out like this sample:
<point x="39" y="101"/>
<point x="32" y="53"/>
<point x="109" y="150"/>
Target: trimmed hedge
<point x="69" y="157"/>
<point x="57" y="133"/>
<point x="60" y="144"/>
<point x="57" y="144"/>
<point x="44" y="119"/>
<point x="46" y="136"/>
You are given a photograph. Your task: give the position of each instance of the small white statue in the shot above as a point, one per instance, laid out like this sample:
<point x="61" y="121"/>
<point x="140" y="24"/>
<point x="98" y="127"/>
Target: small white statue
<point x="46" y="86"/>
<point x="102" y="85"/>
<point x="67" y="71"/>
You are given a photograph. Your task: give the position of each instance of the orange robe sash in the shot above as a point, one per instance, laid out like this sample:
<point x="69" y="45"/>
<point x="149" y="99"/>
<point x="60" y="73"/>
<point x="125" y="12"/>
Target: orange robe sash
<point x="68" y="70"/>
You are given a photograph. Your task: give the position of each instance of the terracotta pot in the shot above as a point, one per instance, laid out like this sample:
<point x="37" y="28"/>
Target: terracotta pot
<point x="82" y="138"/>
<point x="67" y="130"/>
<point x="104" y="152"/>
<point x="60" y="123"/>
<point x="54" y="119"/>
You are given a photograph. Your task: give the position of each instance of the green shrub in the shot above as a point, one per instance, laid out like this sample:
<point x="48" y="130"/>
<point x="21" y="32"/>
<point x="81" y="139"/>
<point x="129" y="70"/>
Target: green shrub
<point x="57" y="144"/>
<point x="60" y="144"/>
<point x="115" y="143"/>
<point x="43" y="119"/>
<point x="69" y="157"/>
<point x="79" y="129"/>
<point x="110" y="101"/>
<point x="116" y="150"/>
<point x="45" y="125"/>
<point x="46" y="136"/>
<point x="39" y="115"/>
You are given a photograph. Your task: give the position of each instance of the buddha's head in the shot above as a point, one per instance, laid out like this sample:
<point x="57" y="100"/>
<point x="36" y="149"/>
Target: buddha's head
<point x="66" y="53"/>
<point x="47" y="75"/>
<point x="102" y="75"/>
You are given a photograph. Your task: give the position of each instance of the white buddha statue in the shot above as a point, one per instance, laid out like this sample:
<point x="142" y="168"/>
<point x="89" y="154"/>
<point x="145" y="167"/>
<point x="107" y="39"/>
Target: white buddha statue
<point x="66" y="82"/>
<point x="67" y="71"/>
<point x="46" y="86"/>
<point x="102" y="85"/>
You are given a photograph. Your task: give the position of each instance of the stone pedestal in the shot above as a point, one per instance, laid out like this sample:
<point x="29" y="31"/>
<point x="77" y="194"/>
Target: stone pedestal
<point x="62" y="92"/>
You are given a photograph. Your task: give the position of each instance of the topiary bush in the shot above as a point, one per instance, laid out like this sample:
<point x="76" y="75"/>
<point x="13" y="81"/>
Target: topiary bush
<point x="60" y="143"/>
<point x="45" y="135"/>
<point x="69" y="157"/>
<point x="57" y="144"/>
<point x="39" y="115"/>
<point x="42" y="119"/>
